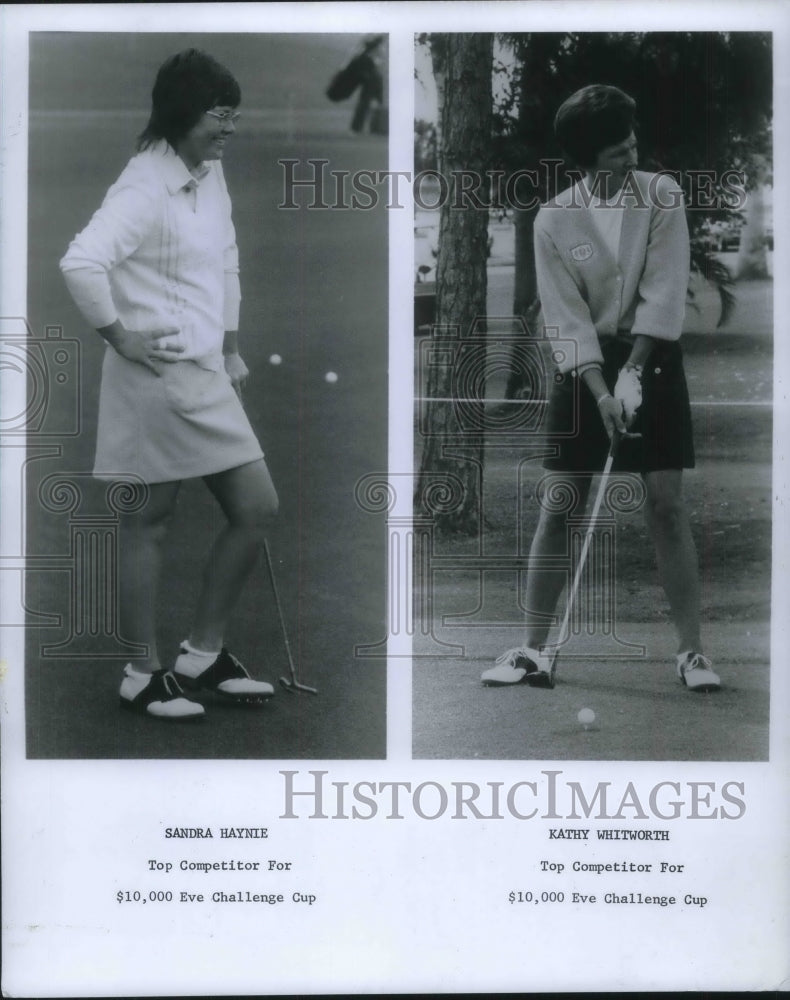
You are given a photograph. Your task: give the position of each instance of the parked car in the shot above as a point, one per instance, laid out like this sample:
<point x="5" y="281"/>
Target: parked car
<point x="723" y="235"/>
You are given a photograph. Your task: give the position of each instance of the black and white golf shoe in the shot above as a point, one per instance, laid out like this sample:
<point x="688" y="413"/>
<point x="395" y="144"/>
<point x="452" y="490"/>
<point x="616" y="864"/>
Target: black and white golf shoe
<point x="224" y="676"/>
<point x="696" y="672"/>
<point x="158" y="695"/>
<point x="521" y="665"/>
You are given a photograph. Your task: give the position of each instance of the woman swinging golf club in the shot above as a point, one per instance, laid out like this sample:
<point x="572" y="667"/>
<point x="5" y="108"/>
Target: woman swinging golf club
<point x="156" y="273"/>
<point x="612" y="258"/>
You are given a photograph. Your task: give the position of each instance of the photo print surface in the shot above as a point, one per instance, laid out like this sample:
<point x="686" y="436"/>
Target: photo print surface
<point x="160" y="448"/>
<point x="593" y="266"/>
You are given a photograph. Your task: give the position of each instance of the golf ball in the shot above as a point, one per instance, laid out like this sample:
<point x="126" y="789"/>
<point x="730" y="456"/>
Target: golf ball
<point x="586" y="716"/>
<point x="275" y="359"/>
<point x="330" y="377"/>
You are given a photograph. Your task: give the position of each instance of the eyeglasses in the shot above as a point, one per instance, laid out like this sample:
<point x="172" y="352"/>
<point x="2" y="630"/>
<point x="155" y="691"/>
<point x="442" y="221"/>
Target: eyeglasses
<point x="225" y="116"/>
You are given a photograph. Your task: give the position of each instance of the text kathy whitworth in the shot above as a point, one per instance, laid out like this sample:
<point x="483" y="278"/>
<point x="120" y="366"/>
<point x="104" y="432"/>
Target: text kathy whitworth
<point x="549" y="796"/>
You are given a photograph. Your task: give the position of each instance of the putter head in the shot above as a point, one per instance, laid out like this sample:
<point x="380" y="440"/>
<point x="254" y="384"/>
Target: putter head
<point x="541" y="680"/>
<point x="294" y="686"/>
<point x="544" y="679"/>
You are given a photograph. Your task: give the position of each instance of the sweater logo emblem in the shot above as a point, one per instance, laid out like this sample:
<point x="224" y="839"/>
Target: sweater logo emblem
<point x="582" y="252"/>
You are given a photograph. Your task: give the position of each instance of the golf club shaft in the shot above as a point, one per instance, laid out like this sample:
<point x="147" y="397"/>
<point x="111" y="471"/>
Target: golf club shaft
<point x="588" y="538"/>
<point x="270" y="567"/>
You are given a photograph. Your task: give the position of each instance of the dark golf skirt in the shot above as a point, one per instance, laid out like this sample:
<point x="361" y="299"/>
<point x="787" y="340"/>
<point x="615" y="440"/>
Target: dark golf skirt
<point x="575" y="427"/>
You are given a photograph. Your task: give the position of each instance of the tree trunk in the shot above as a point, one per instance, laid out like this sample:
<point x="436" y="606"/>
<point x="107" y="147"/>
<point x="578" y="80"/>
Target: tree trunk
<point x="525" y="292"/>
<point x="452" y="456"/>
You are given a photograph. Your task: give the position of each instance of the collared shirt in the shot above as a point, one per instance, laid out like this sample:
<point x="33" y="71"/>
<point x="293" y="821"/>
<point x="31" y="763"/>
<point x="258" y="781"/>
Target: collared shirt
<point x="161" y="253"/>
<point x="586" y="291"/>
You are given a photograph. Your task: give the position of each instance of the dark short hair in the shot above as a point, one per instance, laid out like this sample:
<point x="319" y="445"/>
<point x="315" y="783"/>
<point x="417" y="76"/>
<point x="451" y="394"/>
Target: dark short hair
<point x="187" y="85"/>
<point x="593" y="118"/>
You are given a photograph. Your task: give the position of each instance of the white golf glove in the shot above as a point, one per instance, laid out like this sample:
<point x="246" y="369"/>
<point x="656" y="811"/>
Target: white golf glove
<point x="628" y="391"/>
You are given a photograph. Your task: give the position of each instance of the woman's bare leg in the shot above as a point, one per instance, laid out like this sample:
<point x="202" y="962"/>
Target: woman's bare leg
<point x="668" y="523"/>
<point x="249" y="501"/>
<point x="544" y="585"/>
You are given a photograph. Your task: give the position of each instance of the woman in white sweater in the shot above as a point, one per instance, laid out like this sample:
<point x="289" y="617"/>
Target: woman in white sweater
<point x="156" y="273"/>
<point x="612" y="258"/>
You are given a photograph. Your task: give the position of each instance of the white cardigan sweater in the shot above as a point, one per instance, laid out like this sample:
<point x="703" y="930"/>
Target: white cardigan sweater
<point x="585" y="292"/>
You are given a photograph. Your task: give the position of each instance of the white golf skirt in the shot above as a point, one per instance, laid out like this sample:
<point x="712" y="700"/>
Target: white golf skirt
<point x="186" y="423"/>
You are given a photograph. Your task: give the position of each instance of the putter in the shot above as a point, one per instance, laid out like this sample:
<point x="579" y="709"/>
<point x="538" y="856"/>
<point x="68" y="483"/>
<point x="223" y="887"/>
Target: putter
<point x="613" y="446"/>
<point x="290" y="684"/>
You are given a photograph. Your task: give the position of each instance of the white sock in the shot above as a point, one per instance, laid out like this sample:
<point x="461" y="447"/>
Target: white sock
<point x="194" y="661"/>
<point x="134" y="680"/>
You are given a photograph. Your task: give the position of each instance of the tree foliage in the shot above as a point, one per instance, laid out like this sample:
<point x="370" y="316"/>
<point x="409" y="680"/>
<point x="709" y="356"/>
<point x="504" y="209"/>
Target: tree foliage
<point x="704" y="99"/>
